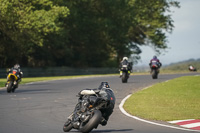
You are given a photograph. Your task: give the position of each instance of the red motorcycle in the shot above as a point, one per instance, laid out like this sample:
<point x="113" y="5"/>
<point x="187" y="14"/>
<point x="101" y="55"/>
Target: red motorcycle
<point x="154" y="70"/>
<point x="192" y="69"/>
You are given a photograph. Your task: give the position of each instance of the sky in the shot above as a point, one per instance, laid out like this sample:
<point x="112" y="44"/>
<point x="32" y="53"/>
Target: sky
<point x="184" y="42"/>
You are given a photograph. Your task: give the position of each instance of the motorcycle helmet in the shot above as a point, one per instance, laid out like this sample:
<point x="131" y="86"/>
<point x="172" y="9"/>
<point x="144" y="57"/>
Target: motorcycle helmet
<point x="16" y="66"/>
<point x="125" y="58"/>
<point x="154" y="57"/>
<point x="104" y="85"/>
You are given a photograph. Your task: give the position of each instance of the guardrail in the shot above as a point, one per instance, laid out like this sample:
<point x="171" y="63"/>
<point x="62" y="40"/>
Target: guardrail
<point x="60" y="71"/>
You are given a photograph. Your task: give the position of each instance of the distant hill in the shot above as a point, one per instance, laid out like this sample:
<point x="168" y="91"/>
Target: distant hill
<point x="182" y="66"/>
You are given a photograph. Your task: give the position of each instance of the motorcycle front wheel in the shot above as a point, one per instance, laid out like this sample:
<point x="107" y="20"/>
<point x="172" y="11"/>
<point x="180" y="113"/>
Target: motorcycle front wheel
<point x="92" y="123"/>
<point x="67" y="126"/>
<point x="10" y="85"/>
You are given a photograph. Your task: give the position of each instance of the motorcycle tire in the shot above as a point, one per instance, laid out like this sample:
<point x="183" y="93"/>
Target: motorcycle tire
<point x="124" y="78"/>
<point x="15" y="87"/>
<point x="92" y="123"/>
<point x="154" y="74"/>
<point x="10" y="86"/>
<point x="13" y="90"/>
<point x="67" y="126"/>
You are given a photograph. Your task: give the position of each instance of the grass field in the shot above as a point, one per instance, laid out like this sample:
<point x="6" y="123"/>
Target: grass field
<point x="173" y="100"/>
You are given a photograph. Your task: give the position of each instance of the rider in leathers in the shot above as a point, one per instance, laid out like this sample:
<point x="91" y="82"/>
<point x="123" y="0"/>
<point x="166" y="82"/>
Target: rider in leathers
<point x="19" y="73"/>
<point x="125" y="62"/>
<point x="156" y="60"/>
<point x="104" y="91"/>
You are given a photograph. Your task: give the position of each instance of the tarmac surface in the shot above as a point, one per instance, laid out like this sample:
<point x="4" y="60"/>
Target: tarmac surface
<point x="43" y="107"/>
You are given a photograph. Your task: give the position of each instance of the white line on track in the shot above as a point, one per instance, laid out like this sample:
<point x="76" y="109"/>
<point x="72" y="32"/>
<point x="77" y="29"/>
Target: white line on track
<point x="192" y="125"/>
<point x="2" y="88"/>
<point x="150" y="122"/>
<point x="177" y="121"/>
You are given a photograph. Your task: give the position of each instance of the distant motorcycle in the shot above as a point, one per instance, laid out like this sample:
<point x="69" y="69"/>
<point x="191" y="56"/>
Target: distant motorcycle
<point x="124" y="72"/>
<point x="154" y="70"/>
<point x="12" y="83"/>
<point x="192" y="69"/>
<point x="87" y="114"/>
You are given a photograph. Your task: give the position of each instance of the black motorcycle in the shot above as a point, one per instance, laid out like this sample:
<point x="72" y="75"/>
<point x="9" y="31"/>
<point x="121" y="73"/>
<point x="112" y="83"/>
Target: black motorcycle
<point x="87" y="114"/>
<point x="124" y="72"/>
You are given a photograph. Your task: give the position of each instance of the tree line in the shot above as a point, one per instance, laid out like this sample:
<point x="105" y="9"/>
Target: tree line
<point x="81" y="33"/>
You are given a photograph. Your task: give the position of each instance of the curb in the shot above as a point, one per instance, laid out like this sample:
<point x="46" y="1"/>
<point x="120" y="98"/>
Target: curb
<point x="190" y="123"/>
<point x="150" y="122"/>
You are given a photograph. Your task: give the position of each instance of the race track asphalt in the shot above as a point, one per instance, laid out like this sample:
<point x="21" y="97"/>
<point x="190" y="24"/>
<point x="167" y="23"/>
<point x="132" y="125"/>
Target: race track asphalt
<point x="43" y="107"/>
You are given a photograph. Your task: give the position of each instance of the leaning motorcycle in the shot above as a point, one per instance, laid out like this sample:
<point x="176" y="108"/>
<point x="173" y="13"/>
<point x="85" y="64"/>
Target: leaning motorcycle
<point x="124" y="72"/>
<point x="192" y="69"/>
<point x="154" y="70"/>
<point x="12" y="83"/>
<point x="87" y="114"/>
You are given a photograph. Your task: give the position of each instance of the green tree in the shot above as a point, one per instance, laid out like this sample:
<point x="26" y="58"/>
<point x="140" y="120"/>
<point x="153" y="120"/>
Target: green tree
<point x="100" y="30"/>
<point x="24" y="25"/>
<point x="96" y="33"/>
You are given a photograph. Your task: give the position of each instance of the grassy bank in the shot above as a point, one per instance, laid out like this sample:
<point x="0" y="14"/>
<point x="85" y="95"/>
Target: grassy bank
<point x="172" y="100"/>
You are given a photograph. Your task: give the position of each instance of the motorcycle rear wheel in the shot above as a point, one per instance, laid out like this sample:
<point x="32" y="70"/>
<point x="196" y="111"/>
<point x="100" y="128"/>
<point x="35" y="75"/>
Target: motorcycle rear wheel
<point x="154" y="74"/>
<point x="92" y="123"/>
<point x="124" y="77"/>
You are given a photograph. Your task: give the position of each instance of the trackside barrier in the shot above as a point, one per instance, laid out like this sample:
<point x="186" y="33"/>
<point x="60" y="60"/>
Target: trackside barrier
<point x="60" y="71"/>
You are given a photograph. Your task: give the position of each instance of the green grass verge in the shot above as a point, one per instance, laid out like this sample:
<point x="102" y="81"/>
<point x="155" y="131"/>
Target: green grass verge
<point x="173" y="100"/>
<point x="36" y="79"/>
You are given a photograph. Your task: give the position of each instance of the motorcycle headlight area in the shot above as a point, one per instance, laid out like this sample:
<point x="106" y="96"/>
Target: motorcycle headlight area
<point x="84" y="117"/>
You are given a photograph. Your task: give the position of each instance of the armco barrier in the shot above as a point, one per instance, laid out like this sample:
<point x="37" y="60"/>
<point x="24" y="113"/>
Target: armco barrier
<point x="60" y="71"/>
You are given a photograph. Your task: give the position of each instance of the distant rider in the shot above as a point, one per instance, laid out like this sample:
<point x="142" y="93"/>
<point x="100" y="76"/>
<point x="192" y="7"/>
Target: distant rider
<point x="156" y="61"/>
<point x="192" y="68"/>
<point x="126" y="63"/>
<point x="104" y="91"/>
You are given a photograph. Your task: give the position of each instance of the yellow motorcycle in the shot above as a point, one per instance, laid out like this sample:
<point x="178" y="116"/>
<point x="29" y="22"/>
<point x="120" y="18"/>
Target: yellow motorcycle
<point x="12" y="81"/>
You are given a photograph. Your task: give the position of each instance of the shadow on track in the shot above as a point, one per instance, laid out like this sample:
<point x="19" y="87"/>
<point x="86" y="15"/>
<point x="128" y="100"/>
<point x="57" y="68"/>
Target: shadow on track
<point x="109" y="130"/>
